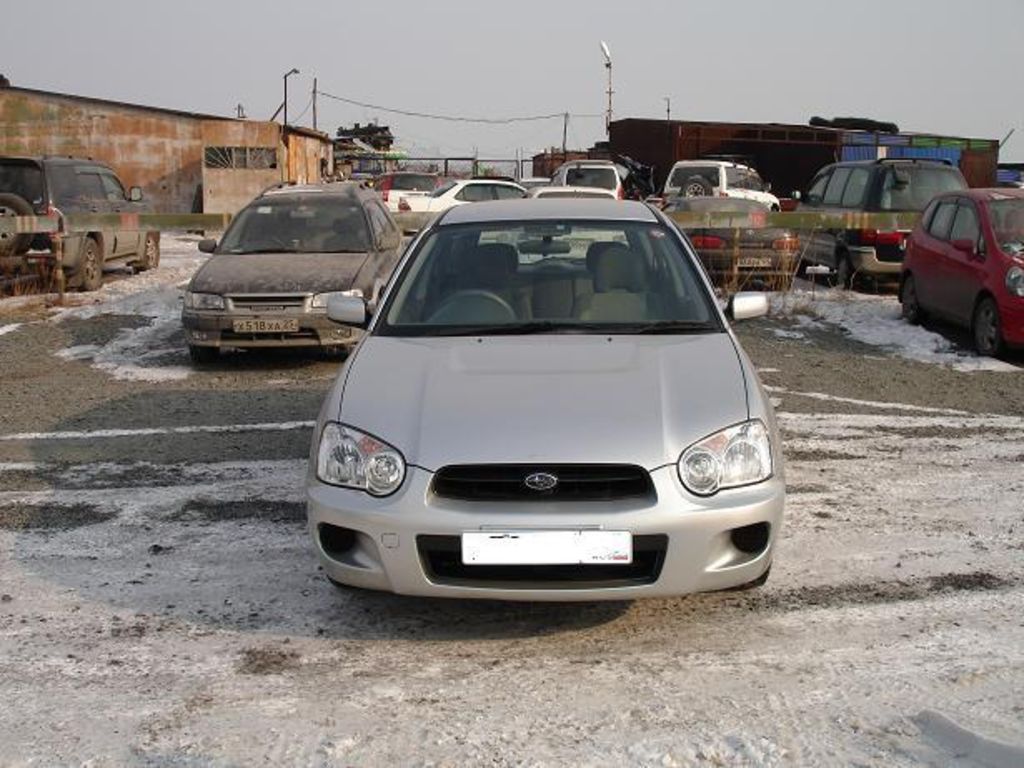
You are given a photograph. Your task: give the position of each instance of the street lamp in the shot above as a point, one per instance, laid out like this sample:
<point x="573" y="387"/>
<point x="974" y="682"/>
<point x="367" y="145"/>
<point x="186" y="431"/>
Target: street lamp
<point x="286" y="76"/>
<point x="608" y="66"/>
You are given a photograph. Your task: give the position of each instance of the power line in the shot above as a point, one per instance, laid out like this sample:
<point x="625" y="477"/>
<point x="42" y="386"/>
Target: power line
<point x="453" y="118"/>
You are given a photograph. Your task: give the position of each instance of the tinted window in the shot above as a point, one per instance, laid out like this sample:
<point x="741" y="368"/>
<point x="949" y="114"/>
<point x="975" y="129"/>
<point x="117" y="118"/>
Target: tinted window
<point x="413" y="182"/>
<point x="910" y="187"/>
<point x="507" y="193"/>
<point x="965" y="224"/>
<point x="834" y="190"/>
<point x="942" y="220"/>
<point x="708" y="173"/>
<point x="112" y="188"/>
<point x="475" y="193"/>
<point x="853" y="195"/>
<point x="475" y="279"/>
<point x="605" y="178"/>
<point x="299" y="225"/>
<point x="22" y="179"/>
<point x="817" y="190"/>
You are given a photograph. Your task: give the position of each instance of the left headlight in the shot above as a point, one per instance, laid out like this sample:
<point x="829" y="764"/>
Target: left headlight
<point x="354" y="459"/>
<point x="1015" y="281"/>
<point x="203" y="300"/>
<point x="319" y="300"/>
<point x="739" y="455"/>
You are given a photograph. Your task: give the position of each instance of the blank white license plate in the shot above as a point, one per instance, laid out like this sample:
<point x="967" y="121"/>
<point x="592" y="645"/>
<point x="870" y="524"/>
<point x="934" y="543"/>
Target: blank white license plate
<point x="258" y="325"/>
<point x="547" y="547"/>
<point x="754" y="262"/>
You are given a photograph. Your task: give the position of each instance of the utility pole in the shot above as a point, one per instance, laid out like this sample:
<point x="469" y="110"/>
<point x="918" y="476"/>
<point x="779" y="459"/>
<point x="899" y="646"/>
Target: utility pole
<point x="314" y="103"/>
<point x="668" y="109"/>
<point x="565" y="131"/>
<point x="608" y="66"/>
<point x="241" y="111"/>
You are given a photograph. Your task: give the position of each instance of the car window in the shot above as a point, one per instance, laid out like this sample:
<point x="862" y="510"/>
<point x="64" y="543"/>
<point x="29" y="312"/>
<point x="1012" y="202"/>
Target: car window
<point x="603" y="177"/>
<point x="507" y="193"/>
<point x="88" y="185"/>
<point x="613" y="276"/>
<point x="709" y="174"/>
<point x="853" y="195"/>
<point x="297" y="224"/>
<point x="965" y="223"/>
<point x="413" y="182"/>
<point x="22" y="179"/>
<point x="942" y="219"/>
<point x="446" y="187"/>
<point x="112" y="188"/>
<point x="475" y="193"/>
<point x="817" y="188"/>
<point x="912" y="186"/>
<point x="1008" y="223"/>
<point x="834" y="190"/>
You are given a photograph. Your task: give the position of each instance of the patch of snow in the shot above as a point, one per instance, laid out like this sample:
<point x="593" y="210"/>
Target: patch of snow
<point x="5" y="329"/>
<point x="876" y="320"/>
<point x="783" y="334"/>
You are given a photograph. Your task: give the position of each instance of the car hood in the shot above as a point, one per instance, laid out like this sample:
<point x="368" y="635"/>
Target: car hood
<point x="277" y="272"/>
<point x="552" y="398"/>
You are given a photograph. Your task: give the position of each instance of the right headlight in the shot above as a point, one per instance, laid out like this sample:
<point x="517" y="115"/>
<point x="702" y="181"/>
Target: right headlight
<point x="738" y="455"/>
<point x="354" y="459"/>
<point x="1015" y="281"/>
<point x="203" y="300"/>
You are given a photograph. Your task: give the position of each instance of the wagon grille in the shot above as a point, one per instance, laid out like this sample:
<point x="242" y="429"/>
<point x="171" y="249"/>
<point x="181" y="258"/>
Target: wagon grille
<point x="575" y="482"/>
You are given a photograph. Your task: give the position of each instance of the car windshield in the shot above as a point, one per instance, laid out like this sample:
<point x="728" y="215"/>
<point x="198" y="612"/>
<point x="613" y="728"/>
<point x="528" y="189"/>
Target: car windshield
<point x="1008" y="223"/>
<point x="603" y="177"/>
<point x="911" y="188"/>
<point x="413" y="182"/>
<point x="448" y="185"/>
<point x="549" y="276"/>
<point x="22" y="179"/>
<point x="709" y="174"/>
<point x="298" y="225"/>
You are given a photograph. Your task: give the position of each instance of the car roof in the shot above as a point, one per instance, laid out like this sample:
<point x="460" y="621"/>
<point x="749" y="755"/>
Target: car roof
<point x="559" y="208"/>
<point x="712" y="161"/>
<point x="552" y="189"/>
<point x="337" y="188"/>
<point x="987" y="193"/>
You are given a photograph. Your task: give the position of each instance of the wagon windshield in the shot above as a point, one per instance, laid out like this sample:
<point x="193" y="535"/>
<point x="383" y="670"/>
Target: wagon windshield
<point x="549" y="277"/>
<point x="298" y="225"/>
<point x="1008" y="223"/>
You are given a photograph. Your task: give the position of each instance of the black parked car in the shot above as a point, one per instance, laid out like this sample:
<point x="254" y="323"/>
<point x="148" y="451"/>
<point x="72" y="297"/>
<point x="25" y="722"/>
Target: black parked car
<point x="281" y="260"/>
<point x="872" y="186"/>
<point x="43" y="186"/>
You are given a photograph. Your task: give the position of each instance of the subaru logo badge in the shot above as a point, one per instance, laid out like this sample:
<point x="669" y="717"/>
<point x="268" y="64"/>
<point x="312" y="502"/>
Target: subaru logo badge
<point x="541" y="481"/>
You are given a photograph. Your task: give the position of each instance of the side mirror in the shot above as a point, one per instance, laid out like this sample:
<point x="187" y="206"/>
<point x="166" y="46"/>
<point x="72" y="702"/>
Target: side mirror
<point x="207" y="245"/>
<point x="747" y="305"/>
<point x="965" y="246"/>
<point x="347" y="310"/>
<point x="135" y="194"/>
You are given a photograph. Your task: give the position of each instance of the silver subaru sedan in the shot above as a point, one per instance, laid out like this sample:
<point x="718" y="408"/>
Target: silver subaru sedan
<point x="548" y="404"/>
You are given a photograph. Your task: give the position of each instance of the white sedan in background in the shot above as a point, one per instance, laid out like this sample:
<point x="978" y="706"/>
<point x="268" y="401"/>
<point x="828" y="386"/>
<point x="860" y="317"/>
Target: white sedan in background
<point x="459" y="192"/>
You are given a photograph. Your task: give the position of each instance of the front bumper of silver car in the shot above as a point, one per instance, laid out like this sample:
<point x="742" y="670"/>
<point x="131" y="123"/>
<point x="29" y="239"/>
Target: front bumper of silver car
<point x="409" y="542"/>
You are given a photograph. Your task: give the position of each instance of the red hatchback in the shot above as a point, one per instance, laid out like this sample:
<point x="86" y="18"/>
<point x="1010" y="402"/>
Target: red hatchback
<point x="965" y="263"/>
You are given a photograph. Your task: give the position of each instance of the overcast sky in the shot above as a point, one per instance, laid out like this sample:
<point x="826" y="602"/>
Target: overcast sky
<point x="928" y="65"/>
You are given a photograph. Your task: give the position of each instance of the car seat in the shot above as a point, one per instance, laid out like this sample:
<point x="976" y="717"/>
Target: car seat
<point x="620" y="288"/>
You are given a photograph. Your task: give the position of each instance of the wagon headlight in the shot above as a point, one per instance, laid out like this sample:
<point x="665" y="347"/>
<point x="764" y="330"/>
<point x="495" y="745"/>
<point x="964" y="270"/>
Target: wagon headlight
<point x="1015" y="281"/>
<point x="739" y="455"/>
<point x="354" y="459"/>
<point x="319" y="300"/>
<point x="203" y="301"/>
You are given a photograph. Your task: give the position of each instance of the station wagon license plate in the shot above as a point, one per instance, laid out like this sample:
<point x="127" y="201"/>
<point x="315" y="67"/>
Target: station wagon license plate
<point x="547" y="547"/>
<point x="258" y="325"/>
<point x="754" y="262"/>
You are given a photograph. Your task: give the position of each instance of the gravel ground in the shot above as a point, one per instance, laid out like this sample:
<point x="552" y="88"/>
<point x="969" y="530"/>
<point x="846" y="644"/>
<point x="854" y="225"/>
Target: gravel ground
<point x="160" y="603"/>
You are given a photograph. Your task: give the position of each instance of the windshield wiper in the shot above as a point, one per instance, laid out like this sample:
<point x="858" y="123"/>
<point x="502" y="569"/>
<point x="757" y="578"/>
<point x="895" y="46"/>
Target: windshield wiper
<point x="676" y="326"/>
<point x="246" y="252"/>
<point x="504" y="329"/>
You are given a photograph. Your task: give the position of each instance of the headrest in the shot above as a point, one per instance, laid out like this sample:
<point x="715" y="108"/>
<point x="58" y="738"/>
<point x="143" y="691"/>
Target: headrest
<point x="617" y="268"/>
<point x="490" y="265"/>
<point x="593" y="250"/>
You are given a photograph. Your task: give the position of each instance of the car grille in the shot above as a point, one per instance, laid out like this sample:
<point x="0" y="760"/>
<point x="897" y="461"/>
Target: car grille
<point x="268" y="303"/>
<point x="576" y="482"/>
<point x="441" y="557"/>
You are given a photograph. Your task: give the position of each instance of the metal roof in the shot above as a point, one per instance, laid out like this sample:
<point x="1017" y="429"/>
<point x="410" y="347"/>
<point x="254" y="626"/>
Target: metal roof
<point x="561" y="208"/>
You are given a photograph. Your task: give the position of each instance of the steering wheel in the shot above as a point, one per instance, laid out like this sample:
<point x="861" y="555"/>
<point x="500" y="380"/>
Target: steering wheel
<point x="473" y="306"/>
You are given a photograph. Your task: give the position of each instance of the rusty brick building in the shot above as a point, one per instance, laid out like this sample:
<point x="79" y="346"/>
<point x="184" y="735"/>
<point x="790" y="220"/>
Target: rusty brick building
<point x="184" y="161"/>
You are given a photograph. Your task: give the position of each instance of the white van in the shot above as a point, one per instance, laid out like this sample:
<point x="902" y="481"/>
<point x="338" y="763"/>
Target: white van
<point x="718" y="178"/>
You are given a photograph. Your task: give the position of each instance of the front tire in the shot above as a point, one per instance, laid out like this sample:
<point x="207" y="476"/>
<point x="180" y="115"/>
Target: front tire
<point x="910" y="308"/>
<point x="150" y="253"/>
<point x="987" y="328"/>
<point x="90" y="266"/>
<point x="203" y="355"/>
